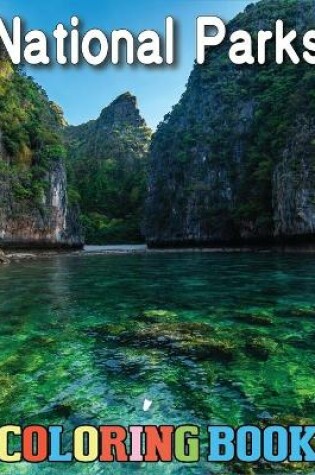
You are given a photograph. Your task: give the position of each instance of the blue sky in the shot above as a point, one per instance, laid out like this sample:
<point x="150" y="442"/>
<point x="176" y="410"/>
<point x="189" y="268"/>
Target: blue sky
<point x="82" y="91"/>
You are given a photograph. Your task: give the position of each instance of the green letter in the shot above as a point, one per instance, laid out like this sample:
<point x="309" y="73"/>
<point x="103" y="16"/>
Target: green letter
<point x="187" y="444"/>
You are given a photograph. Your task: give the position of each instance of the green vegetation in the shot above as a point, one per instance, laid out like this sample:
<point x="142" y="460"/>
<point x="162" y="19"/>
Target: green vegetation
<point x="108" y="172"/>
<point x="30" y="134"/>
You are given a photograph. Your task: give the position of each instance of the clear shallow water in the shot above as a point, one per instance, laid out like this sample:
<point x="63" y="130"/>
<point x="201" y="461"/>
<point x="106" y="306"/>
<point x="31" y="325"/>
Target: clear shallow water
<point x="208" y="337"/>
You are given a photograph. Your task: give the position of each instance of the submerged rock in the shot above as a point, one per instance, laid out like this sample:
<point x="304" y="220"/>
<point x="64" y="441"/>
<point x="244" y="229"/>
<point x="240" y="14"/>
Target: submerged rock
<point x="265" y="416"/>
<point x="304" y="311"/>
<point x="260" y="347"/>
<point x="198" y="340"/>
<point x="62" y="410"/>
<point x="159" y="314"/>
<point x="7" y="386"/>
<point x="3" y="258"/>
<point x="255" y="319"/>
<point x="243" y="469"/>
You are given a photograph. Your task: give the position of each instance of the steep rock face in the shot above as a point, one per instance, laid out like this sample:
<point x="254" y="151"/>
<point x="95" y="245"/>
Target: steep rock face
<point x="294" y="184"/>
<point x="50" y="224"/>
<point x="34" y="208"/>
<point x="223" y="162"/>
<point x="107" y="165"/>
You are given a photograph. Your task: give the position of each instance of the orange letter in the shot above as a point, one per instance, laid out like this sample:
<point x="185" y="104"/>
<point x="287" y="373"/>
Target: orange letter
<point x="159" y="446"/>
<point x="35" y="444"/>
<point x="113" y="443"/>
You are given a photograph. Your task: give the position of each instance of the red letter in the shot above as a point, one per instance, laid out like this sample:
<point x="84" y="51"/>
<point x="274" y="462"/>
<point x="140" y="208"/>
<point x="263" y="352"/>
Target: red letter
<point x="159" y="445"/>
<point x="35" y="444"/>
<point x="113" y="443"/>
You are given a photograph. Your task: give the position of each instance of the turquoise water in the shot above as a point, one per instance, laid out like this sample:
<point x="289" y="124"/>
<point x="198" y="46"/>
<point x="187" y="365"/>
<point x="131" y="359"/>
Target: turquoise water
<point x="208" y="337"/>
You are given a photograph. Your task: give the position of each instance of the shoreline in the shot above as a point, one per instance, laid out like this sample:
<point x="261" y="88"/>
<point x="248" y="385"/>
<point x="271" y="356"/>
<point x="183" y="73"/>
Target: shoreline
<point x="130" y="249"/>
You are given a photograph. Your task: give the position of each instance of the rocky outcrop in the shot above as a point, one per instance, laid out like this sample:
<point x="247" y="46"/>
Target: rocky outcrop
<point x="234" y="162"/>
<point x="51" y="223"/>
<point x="123" y="110"/>
<point x="3" y="258"/>
<point x="108" y="160"/>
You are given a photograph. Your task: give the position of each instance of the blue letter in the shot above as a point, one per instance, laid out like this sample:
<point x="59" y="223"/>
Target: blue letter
<point x="255" y="444"/>
<point x="282" y="444"/>
<point x="56" y="446"/>
<point x="301" y="443"/>
<point x="221" y="447"/>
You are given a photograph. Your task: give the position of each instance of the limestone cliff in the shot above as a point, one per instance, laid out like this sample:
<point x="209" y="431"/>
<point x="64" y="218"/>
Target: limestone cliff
<point x="34" y="208"/>
<point x="294" y="184"/>
<point x="52" y="223"/>
<point x="234" y="160"/>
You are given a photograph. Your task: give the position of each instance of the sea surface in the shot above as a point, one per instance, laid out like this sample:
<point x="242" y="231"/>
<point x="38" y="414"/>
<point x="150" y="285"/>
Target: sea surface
<point x="209" y="338"/>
